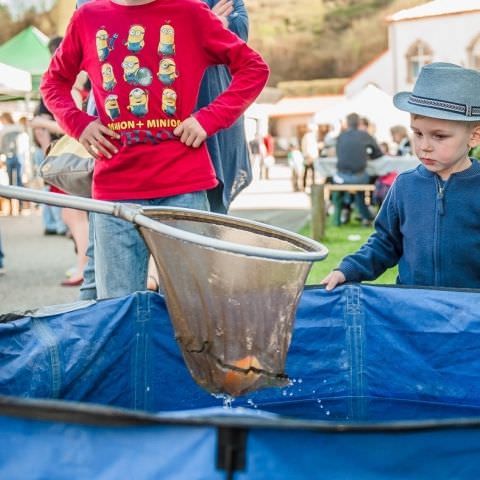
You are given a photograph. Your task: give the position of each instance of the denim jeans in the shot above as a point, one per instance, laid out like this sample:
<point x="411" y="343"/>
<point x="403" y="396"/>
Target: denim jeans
<point x="121" y="256"/>
<point x="88" y="290"/>
<point x="14" y="171"/>
<point x="52" y="218"/>
<point x="356" y="179"/>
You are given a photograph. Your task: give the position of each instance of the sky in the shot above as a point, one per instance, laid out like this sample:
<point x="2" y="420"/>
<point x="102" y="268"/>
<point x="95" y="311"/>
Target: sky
<point x="18" y="6"/>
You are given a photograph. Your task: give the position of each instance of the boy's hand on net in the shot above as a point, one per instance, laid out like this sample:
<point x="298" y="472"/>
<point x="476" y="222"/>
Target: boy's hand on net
<point x="223" y="9"/>
<point x="334" y="278"/>
<point x="94" y="139"/>
<point x="191" y="133"/>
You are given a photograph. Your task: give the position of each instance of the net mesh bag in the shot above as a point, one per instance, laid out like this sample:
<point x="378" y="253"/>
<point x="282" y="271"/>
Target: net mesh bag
<point x="232" y="314"/>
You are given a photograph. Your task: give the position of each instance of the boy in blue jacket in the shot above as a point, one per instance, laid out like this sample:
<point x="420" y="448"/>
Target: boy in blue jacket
<point x="429" y="223"/>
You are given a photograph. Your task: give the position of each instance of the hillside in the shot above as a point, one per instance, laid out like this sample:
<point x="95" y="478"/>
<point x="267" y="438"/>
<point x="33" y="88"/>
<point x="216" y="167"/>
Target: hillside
<point x="309" y="39"/>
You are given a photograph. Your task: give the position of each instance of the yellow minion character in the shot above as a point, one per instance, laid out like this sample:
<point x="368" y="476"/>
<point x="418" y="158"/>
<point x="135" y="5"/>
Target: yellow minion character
<point x="111" y="106"/>
<point x="101" y="40"/>
<point x="138" y="102"/>
<point x="167" y="40"/>
<point x="108" y="78"/>
<point x="135" y="41"/>
<point x="130" y="65"/>
<point x="169" y="101"/>
<point x="167" y="71"/>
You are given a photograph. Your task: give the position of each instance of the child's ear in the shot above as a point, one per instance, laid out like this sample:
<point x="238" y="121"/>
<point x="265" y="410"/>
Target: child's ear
<point x="475" y="137"/>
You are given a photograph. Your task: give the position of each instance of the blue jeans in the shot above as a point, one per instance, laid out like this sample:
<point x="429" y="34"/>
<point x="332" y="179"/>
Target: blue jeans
<point x="52" y="218"/>
<point x="121" y="256"/>
<point x="356" y="179"/>
<point x="14" y="171"/>
<point x="88" y="290"/>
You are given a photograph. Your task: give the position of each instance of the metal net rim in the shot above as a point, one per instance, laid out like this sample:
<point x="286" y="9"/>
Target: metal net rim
<point x="313" y="250"/>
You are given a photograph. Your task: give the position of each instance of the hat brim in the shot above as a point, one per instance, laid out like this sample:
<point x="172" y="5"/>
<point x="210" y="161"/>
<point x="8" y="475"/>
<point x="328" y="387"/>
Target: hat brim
<point x="400" y="100"/>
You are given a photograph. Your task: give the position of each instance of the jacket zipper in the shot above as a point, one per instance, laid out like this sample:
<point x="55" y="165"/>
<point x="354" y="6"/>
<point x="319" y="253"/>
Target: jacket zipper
<point x="440" y="196"/>
<point x="441" y="212"/>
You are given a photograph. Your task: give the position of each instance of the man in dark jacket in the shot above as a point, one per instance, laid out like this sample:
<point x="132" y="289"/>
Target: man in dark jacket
<point x="354" y="148"/>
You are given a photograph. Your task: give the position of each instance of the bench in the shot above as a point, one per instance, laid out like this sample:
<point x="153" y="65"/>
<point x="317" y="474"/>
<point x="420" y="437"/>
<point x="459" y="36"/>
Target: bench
<point x="320" y="195"/>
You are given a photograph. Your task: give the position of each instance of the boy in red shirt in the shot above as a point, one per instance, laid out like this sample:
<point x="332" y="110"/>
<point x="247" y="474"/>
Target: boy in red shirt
<point x="145" y="60"/>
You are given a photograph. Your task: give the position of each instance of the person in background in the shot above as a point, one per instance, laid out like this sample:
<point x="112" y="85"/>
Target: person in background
<point x="9" y="148"/>
<point x="295" y="162"/>
<point x="400" y="137"/>
<point x="75" y="220"/>
<point x="354" y="148"/>
<point x="268" y="157"/>
<point x="385" y="148"/>
<point x="431" y="208"/>
<point x="51" y="215"/>
<point x="309" y="148"/>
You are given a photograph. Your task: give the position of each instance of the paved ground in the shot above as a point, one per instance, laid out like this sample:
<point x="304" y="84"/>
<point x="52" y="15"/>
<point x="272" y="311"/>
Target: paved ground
<point x="36" y="264"/>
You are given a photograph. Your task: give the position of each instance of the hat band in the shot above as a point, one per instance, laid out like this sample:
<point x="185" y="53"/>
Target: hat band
<point x="462" y="109"/>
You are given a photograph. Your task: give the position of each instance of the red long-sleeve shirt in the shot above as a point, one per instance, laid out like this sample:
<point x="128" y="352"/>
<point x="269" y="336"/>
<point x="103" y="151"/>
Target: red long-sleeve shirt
<point x="145" y="63"/>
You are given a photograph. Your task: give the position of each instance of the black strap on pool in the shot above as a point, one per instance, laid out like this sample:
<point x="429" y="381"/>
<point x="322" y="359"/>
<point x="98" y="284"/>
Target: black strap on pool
<point x="231" y="447"/>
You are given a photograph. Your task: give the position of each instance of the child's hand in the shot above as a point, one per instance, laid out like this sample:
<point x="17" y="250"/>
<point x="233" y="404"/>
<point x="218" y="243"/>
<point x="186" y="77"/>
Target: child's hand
<point x="334" y="278"/>
<point x="223" y="9"/>
<point x="93" y="138"/>
<point x="191" y="133"/>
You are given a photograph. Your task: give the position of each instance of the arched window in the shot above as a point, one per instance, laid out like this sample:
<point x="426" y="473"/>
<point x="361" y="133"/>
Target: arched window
<point x="473" y="51"/>
<point x="418" y="55"/>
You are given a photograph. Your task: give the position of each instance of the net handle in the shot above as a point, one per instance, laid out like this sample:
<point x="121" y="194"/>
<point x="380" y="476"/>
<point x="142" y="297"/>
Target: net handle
<point x="133" y="214"/>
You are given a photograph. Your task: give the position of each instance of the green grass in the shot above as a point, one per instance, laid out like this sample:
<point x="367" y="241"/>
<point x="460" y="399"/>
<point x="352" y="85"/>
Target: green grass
<point x="338" y="244"/>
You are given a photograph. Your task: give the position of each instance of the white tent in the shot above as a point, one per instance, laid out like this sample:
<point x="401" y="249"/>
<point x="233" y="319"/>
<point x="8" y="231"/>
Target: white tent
<point x="372" y="103"/>
<point x="14" y="81"/>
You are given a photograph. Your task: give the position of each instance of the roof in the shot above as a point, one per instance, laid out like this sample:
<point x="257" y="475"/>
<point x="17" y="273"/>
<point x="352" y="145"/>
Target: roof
<point x="27" y="51"/>
<point x="288" y="106"/>
<point x="436" y="8"/>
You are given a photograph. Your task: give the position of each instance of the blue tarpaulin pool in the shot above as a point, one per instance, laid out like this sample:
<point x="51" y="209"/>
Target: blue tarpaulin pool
<point x="385" y="383"/>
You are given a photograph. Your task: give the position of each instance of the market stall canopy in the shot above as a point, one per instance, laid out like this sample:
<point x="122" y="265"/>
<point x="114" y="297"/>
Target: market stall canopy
<point x="372" y="103"/>
<point x="27" y="51"/>
<point x="14" y="81"/>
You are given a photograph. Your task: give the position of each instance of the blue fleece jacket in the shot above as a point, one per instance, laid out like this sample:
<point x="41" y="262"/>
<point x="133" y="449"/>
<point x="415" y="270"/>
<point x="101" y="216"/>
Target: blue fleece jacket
<point x="431" y="231"/>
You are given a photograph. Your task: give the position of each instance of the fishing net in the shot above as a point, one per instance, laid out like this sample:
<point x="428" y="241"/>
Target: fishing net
<point x="232" y="311"/>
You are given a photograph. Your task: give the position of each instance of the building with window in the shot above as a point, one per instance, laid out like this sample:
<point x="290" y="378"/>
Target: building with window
<point x="437" y="31"/>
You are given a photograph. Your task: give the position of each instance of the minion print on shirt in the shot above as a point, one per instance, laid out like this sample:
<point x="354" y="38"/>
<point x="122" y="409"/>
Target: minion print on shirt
<point x="167" y="71"/>
<point x="108" y="78"/>
<point x="133" y="74"/>
<point x="112" y="108"/>
<point x="130" y="65"/>
<point x="101" y="40"/>
<point x="169" y="101"/>
<point x="135" y="41"/>
<point x="138" y="102"/>
<point x="166" y="45"/>
<point x="104" y="43"/>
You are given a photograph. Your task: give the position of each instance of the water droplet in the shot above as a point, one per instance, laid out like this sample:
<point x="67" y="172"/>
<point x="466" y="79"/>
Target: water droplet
<point x="300" y="380"/>
<point x="284" y="393"/>
<point x="327" y="412"/>
<point x="324" y="380"/>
